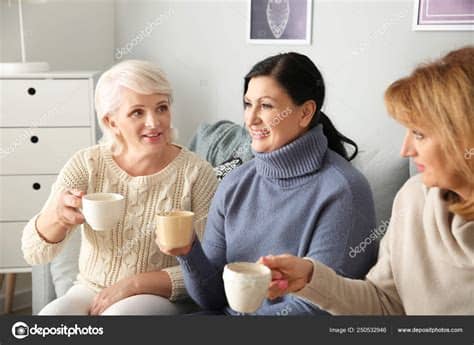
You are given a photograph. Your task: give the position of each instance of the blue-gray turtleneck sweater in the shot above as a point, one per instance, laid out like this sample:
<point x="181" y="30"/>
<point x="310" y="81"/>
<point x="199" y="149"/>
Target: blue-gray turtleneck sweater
<point x="303" y="199"/>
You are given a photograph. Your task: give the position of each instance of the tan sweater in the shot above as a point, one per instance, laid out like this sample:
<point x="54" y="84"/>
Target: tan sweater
<point x="425" y="264"/>
<point x="106" y="257"/>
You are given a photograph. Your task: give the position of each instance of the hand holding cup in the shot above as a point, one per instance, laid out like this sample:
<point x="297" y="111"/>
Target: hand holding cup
<point x="60" y="216"/>
<point x="289" y="273"/>
<point x="174" y="232"/>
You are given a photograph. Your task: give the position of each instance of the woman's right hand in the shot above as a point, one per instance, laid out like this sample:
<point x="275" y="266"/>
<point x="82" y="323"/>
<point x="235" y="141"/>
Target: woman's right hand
<point x="289" y="273"/>
<point x="61" y="216"/>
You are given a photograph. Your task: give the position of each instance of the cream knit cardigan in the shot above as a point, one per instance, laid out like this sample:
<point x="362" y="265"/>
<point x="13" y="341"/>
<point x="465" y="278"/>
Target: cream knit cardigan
<point x="106" y="257"/>
<point x="425" y="264"/>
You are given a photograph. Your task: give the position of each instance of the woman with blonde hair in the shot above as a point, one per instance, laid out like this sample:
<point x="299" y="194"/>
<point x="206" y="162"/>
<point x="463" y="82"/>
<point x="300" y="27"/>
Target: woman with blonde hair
<point x="122" y="271"/>
<point x="426" y="258"/>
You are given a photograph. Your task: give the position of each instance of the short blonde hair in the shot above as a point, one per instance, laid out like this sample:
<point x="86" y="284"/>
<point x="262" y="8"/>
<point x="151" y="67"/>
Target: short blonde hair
<point x="440" y="95"/>
<point x="140" y="76"/>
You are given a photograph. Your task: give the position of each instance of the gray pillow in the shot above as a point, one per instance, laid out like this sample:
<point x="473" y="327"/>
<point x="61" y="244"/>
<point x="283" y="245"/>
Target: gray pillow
<point x="386" y="172"/>
<point x="221" y="141"/>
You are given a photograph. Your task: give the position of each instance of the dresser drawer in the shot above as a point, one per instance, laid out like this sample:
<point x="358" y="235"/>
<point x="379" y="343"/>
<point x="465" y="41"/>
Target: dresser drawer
<point x="11" y="255"/>
<point x="45" y="102"/>
<point x="40" y="150"/>
<point x="23" y="196"/>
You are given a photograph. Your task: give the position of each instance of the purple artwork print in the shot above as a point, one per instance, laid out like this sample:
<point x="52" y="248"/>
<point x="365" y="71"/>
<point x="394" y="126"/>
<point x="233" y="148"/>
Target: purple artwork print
<point x="442" y="12"/>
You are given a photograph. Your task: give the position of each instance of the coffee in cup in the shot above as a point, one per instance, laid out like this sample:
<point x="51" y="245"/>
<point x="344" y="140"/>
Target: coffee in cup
<point x="174" y="229"/>
<point x="246" y="285"/>
<point x="103" y="211"/>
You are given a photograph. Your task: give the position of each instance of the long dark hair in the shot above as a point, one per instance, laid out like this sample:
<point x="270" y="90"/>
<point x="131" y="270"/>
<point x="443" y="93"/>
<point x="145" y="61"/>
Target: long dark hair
<point x="301" y="79"/>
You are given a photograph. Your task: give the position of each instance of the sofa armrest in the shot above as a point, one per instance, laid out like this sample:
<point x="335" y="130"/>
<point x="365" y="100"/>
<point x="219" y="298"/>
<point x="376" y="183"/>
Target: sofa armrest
<point x="54" y="279"/>
<point x="43" y="288"/>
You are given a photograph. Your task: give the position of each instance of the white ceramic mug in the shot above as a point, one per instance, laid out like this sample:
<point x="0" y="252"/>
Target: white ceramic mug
<point x="103" y="211"/>
<point x="174" y="229"/>
<point x="246" y="285"/>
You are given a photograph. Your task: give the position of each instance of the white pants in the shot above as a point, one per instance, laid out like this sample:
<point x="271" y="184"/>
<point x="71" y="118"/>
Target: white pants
<point x="78" y="301"/>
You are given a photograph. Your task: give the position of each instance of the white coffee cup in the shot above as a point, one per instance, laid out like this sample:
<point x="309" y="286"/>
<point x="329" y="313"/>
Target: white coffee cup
<point x="174" y="229"/>
<point x="246" y="285"/>
<point x="103" y="211"/>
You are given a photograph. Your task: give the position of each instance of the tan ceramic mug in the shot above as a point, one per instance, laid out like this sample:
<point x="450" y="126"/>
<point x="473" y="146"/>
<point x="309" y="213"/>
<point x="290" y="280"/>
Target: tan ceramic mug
<point x="174" y="229"/>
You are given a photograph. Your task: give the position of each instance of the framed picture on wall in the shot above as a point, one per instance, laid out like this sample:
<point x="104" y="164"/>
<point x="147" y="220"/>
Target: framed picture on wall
<point x="279" y="21"/>
<point x="443" y="15"/>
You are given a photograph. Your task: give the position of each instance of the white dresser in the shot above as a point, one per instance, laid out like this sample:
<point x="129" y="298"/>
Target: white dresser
<point x="44" y="119"/>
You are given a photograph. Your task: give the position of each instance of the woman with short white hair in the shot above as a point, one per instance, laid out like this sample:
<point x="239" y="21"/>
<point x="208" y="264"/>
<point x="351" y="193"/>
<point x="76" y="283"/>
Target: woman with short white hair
<point x="122" y="271"/>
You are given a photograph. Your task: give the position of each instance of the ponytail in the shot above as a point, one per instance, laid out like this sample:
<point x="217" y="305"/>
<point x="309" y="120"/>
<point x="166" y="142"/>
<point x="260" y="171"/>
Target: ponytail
<point x="335" y="139"/>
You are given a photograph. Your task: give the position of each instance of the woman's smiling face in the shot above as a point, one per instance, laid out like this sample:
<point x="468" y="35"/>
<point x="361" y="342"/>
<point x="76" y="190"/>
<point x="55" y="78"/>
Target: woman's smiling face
<point x="271" y="117"/>
<point x="142" y="121"/>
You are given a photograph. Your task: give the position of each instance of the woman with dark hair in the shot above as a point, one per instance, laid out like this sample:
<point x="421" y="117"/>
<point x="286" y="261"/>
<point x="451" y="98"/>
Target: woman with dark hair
<point x="299" y="195"/>
<point x="301" y="79"/>
<point x="426" y="258"/>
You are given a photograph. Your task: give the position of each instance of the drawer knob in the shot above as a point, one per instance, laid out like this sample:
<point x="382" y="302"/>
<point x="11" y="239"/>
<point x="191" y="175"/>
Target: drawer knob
<point x="34" y="139"/>
<point x="31" y="91"/>
<point x="36" y="186"/>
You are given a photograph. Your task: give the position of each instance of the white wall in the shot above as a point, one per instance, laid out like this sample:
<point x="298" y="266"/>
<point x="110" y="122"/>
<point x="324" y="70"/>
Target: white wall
<point x="68" y="34"/>
<point x="360" y="46"/>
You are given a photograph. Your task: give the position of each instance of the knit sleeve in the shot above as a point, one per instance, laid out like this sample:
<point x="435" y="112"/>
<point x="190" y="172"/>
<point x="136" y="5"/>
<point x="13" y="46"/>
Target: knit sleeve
<point x="375" y="295"/>
<point x="202" y="193"/>
<point x="35" y="249"/>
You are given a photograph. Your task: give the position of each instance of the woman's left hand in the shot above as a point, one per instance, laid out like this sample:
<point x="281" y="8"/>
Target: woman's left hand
<point x="112" y="294"/>
<point x="175" y="251"/>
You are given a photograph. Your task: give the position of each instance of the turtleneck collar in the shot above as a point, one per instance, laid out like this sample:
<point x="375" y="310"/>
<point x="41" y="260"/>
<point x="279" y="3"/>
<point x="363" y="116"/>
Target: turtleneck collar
<point x="301" y="157"/>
